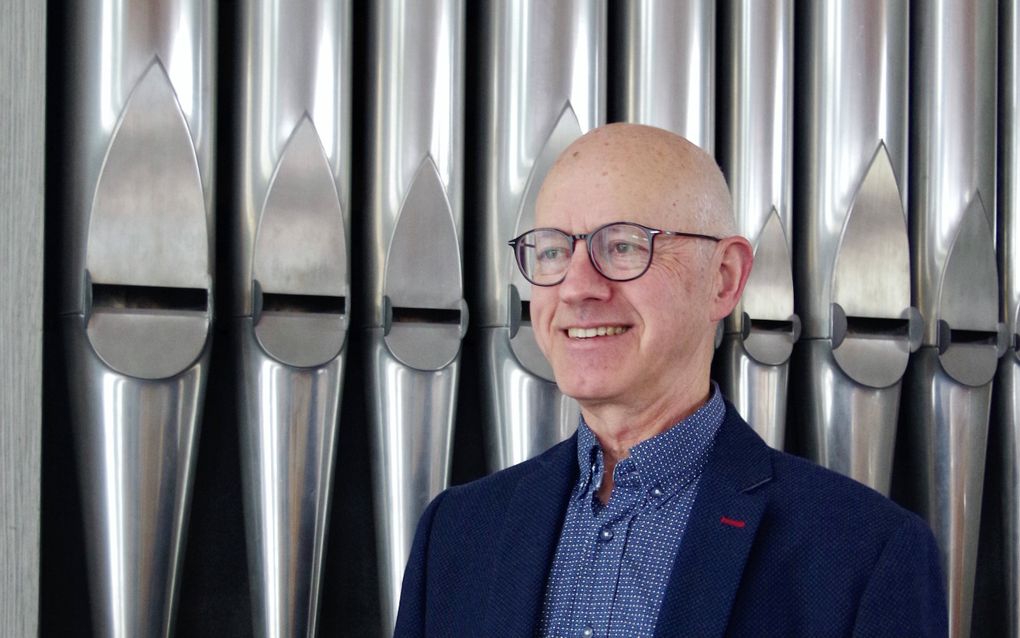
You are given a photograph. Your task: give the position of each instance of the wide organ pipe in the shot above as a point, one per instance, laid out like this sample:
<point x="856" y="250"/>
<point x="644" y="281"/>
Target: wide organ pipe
<point x="755" y="152"/>
<point x="852" y="259"/>
<point x="290" y="316"/>
<point x="413" y="264"/>
<point x="137" y="191"/>
<point x="955" y="283"/>
<point x="1007" y="384"/>
<point x="544" y="64"/>
<point x="665" y="69"/>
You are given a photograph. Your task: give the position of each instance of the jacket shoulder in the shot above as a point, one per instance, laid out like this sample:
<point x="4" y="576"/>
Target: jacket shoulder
<point x="830" y="498"/>
<point x="495" y="490"/>
<point x="832" y="555"/>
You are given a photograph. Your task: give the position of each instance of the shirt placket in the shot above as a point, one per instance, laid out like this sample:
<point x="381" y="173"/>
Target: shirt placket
<point x="608" y="541"/>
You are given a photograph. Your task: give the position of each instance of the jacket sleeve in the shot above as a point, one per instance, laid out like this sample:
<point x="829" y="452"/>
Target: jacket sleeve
<point x="413" y="595"/>
<point x="906" y="593"/>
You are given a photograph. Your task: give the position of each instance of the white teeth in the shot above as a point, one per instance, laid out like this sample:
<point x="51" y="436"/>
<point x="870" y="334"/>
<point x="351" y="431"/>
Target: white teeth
<point x="601" y="331"/>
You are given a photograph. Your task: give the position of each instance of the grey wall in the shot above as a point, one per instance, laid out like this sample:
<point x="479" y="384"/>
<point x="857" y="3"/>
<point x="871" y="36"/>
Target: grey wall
<point x="22" y="92"/>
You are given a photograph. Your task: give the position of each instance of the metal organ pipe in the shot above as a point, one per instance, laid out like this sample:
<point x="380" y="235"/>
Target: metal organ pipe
<point x="413" y="264"/>
<point x="755" y="152"/>
<point x="1007" y="385"/>
<point x="840" y="309"/>
<point x="859" y="328"/>
<point x="544" y="64"/>
<point x="291" y="286"/>
<point x="666" y="66"/>
<point x="952" y="184"/>
<point x="137" y="186"/>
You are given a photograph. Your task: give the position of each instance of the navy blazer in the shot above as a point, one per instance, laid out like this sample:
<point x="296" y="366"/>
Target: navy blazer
<point x="775" y="546"/>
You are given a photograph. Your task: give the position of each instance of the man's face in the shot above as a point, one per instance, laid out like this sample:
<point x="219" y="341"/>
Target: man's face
<point x="667" y="334"/>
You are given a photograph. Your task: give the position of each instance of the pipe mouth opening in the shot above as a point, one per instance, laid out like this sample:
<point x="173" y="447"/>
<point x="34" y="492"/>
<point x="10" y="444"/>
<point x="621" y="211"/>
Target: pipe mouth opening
<point x="311" y="304"/>
<point x="130" y="297"/>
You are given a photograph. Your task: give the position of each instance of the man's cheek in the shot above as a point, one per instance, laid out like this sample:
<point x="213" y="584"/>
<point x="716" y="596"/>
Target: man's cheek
<point x="541" y="328"/>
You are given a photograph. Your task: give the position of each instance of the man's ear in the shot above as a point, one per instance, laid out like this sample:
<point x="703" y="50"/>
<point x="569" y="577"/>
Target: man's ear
<point x="734" y="259"/>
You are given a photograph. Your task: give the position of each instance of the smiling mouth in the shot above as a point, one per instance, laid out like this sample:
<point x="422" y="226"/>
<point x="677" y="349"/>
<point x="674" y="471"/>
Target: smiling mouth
<point x="600" y="331"/>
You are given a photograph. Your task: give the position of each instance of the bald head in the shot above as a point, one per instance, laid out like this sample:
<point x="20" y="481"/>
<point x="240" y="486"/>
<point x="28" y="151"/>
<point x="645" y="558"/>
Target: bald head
<point x="653" y="176"/>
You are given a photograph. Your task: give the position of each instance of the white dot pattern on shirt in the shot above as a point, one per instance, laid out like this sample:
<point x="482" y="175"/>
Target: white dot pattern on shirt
<point x="613" y="561"/>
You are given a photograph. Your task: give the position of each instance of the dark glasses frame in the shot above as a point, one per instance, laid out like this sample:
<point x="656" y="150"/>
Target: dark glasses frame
<point x="518" y="245"/>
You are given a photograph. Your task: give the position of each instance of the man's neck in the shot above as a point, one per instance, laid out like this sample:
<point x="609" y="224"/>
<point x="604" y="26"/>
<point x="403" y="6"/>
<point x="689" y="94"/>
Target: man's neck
<point x="619" y="428"/>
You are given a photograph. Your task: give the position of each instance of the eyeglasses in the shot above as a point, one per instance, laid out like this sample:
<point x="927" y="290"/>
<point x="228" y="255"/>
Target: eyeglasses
<point x="619" y="251"/>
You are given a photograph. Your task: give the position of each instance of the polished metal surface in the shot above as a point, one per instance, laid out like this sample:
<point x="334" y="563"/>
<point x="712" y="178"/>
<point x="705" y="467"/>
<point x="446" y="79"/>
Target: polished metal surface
<point x="854" y="91"/>
<point x="413" y="411"/>
<point x="136" y="190"/>
<point x="133" y="159"/>
<point x="953" y="145"/>
<point x="758" y="391"/>
<point x="768" y="298"/>
<point x="755" y="149"/>
<point x="666" y="66"/>
<point x="135" y="442"/>
<point x="423" y="270"/>
<point x="862" y="443"/>
<point x="970" y="339"/>
<point x="873" y="236"/>
<point x="288" y="435"/>
<point x="547" y="67"/>
<point x="851" y="251"/>
<point x="415" y="111"/>
<point x="301" y="254"/>
<point x="1006" y="409"/>
<point x="541" y="414"/>
<point x="413" y="266"/>
<point x="955" y="284"/>
<point x="291" y="295"/>
<point x="154" y="237"/>
<point x="947" y="436"/>
<point x="293" y="94"/>
<point x="115" y="45"/>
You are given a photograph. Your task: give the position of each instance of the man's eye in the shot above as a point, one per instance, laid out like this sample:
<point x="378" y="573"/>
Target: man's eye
<point x="623" y="248"/>
<point x="550" y="254"/>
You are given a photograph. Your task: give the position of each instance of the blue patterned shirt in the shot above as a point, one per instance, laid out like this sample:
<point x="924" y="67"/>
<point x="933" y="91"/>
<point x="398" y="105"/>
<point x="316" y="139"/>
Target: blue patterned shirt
<point x="613" y="561"/>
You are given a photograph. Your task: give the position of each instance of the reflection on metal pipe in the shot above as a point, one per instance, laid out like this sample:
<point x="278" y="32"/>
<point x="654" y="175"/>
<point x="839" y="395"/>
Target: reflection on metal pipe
<point x="755" y="150"/>
<point x="952" y="223"/>
<point x="291" y="284"/>
<point x="1007" y="385"/>
<point x="667" y="67"/>
<point x="1007" y="414"/>
<point x="137" y="185"/>
<point x="859" y="328"/>
<point x="415" y="303"/>
<point x="546" y="64"/>
<point x="950" y="382"/>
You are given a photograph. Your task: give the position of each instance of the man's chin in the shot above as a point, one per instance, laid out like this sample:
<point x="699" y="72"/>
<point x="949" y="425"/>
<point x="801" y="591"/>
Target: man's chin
<point x="587" y="393"/>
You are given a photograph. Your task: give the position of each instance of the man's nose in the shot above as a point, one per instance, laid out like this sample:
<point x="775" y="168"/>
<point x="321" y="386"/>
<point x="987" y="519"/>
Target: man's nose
<point x="582" y="281"/>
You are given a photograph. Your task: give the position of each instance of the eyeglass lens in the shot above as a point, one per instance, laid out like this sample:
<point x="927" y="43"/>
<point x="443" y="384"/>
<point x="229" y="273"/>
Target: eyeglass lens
<point x="619" y="251"/>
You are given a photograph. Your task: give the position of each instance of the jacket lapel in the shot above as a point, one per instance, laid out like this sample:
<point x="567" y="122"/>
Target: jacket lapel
<point x="525" y="549"/>
<point x="719" y="534"/>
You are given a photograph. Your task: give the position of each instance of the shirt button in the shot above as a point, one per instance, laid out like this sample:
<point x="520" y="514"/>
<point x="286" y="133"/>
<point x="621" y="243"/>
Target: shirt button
<point x="656" y="491"/>
<point x="607" y="535"/>
<point x="588" y="632"/>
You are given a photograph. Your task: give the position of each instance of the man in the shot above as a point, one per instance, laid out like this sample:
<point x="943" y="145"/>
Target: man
<point x="665" y="515"/>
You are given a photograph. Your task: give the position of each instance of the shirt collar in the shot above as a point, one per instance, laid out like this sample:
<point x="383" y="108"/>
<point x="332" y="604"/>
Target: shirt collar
<point x="667" y="461"/>
<point x="589" y="456"/>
